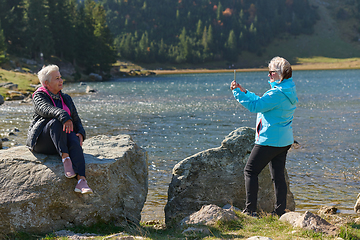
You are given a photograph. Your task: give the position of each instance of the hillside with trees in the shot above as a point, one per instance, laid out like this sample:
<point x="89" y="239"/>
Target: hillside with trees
<point x="93" y="34"/>
<point x="196" y="31"/>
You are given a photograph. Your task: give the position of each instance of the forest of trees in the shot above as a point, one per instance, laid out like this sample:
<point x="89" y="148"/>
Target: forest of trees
<point x="91" y="34"/>
<point x="63" y="28"/>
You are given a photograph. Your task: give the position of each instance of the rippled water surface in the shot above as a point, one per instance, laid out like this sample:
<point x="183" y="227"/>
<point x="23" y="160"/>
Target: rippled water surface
<point x="175" y="116"/>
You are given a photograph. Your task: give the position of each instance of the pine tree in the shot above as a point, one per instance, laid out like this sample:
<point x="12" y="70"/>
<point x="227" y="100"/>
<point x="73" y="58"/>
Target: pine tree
<point x="86" y="45"/>
<point x="2" y="42"/>
<point x="219" y="11"/>
<point x="61" y="28"/>
<point x="204" y="40"/>
<point x="38" y="33"/>
<point x="104" y="39"/>
<point x="210" y="38"/>
<point x="199" y="28"/>
<point x="184" y="47"/>
<point x="161" y="56"/>
<point x="128" y="49"/>
<point x="231" y="47"/>
<point x="142" y="51"/>
<point x="71" y="49"/>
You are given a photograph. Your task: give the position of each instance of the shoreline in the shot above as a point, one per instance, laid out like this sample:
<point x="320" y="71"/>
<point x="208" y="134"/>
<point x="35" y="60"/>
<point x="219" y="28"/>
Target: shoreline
<point x="297" y="67"/>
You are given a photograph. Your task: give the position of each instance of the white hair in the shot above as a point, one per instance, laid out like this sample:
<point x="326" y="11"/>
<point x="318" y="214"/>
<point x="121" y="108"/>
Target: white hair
<point x="281" y="66"/>
<point x="44" y="73"/>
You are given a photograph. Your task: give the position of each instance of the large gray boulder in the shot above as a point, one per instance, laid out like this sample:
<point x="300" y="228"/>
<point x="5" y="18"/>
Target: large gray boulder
<point x="35" y="196"/>
<point x="215" y="176"/>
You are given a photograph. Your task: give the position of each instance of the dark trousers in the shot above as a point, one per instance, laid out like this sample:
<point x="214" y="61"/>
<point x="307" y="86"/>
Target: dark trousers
<point x="260" y="156"/>
<point x="53" y="140"/>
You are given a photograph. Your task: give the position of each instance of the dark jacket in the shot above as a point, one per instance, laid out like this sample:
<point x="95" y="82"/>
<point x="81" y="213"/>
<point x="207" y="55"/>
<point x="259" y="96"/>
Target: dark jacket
<point x="45" y="111"/>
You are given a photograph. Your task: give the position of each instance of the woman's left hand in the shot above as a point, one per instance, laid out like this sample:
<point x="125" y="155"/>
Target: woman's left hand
<point x="81" y="138"/>
<point x="68" y="126"/>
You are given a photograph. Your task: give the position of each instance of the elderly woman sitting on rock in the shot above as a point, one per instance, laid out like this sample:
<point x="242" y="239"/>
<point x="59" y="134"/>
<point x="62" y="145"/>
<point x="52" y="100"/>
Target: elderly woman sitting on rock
<point x="56" y="127"/>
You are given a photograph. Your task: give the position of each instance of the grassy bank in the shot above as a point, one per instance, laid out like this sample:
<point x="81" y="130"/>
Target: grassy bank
<point x="244" y="228"/>
<point x="313" y="63"/>
<point x="23" y="80"/>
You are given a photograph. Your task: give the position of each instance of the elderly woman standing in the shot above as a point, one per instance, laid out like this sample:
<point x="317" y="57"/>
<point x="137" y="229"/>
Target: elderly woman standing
<point x="274" y="135"/>
<point x="56" y="127"/>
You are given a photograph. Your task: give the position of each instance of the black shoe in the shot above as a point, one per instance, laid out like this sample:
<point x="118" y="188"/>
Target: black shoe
<point x="249" y="213"/>
<point x="275" y="214"/>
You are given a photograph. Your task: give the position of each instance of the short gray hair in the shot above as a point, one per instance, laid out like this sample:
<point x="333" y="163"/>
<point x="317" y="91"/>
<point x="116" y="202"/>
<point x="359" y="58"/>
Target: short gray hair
<point x="44" y="73"/>
<point x="281" y="66"/>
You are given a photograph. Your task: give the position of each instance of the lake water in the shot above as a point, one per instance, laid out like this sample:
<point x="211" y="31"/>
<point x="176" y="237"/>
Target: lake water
<point x="175" y="116"/>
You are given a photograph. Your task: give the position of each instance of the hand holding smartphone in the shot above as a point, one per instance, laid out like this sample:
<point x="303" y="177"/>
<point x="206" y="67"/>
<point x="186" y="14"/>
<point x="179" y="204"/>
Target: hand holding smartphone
<point x="234" y="84"/>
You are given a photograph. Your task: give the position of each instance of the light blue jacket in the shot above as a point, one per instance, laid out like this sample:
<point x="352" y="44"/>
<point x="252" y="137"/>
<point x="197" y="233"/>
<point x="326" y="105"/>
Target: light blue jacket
<point x="275" y="112"/>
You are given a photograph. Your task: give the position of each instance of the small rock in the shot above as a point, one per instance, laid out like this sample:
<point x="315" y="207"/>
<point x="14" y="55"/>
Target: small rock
<point x="72" y="235"/>
<point x="16" y="97"/>
<point x="209" y="215"/>
<point x="11" y="86"/>
<point x="26" y="100"/>
<point x="11" y="134"/>
<point x="327" y="210"/>
<point x="233" y="208"/>
<point x="195" y="231"/>
<point x="36" y="86"/>
<point x="90" y="90"/>
<point x="82" y="84"/>
<point x="5" y="139"/>
<point x="95" y="77"/>
<point x="309" y="221"/>
<point x="357" y="220"/>
<point x="357" y="204"/>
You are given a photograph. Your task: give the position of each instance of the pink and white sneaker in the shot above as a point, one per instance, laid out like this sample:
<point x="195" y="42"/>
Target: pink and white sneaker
<point x="68" y="168"/>
<point x="82" y="187"/>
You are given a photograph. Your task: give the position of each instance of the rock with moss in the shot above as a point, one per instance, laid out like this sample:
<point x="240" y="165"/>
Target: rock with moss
<point x="35" y="196"/>
<point x="216" y="176"/>
<point x="210" y="215"/>
<point x="309" y="221"/>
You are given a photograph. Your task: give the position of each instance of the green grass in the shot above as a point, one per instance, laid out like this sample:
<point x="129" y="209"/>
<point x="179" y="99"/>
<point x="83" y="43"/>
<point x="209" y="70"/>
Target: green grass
<point x="22" y="79"/>
<point x="243" y="228"/>
<point x="317" y="59"/>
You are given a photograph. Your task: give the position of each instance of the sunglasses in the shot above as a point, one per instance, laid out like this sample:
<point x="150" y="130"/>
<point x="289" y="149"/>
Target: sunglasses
<point x="271" y="72"/>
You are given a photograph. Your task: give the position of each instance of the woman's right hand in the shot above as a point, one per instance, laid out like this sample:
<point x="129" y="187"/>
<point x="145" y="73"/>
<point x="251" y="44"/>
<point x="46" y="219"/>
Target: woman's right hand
<point x="236" y="85"/>
<point x="68" y="126"/>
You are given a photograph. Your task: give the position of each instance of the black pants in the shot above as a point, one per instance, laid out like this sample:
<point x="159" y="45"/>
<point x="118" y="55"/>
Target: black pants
<point x="53" y="140"/>
<point x="260" y="156"/>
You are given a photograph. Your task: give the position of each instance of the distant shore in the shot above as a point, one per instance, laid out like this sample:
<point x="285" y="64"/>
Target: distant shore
<point x="340" y="65"/>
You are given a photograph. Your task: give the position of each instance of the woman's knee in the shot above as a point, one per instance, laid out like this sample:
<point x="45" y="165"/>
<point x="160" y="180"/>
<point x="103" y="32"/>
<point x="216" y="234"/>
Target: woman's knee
<point x="55" y="124"/>
<point x="250" y="171"/>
